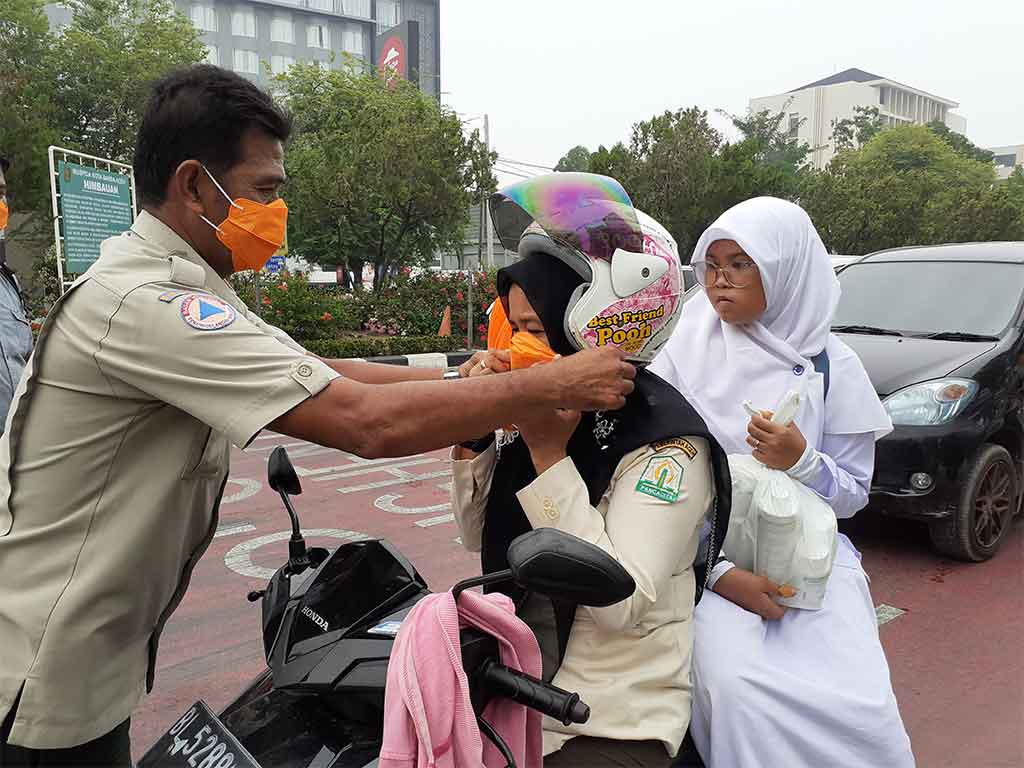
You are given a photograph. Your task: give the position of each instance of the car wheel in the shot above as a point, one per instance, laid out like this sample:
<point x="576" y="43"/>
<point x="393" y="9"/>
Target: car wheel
<point x="987" y="505"/>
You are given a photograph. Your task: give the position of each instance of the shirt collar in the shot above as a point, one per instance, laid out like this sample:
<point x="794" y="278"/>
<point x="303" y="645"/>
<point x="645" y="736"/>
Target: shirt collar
<point x="153" y="230"/>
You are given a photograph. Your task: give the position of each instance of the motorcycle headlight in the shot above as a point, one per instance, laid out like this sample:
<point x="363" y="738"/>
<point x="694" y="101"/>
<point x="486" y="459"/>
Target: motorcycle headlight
<point x="931" y="402"/>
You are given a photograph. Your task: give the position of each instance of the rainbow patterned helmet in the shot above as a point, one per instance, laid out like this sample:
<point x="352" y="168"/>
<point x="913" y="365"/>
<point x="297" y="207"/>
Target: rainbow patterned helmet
<point x="631" y="296"/>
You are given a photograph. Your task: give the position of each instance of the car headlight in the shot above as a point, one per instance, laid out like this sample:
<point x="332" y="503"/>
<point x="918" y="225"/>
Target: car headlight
<point x="931" y="402"/>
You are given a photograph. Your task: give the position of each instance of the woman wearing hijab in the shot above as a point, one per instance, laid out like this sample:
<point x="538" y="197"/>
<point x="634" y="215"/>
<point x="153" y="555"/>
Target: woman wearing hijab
<point x="640" y="484"/>
<point x="777" y="687"/>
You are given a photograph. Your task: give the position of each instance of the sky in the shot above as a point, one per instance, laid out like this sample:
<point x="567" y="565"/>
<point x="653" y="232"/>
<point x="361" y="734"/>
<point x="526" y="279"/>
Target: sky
<point x="551" y="74"/>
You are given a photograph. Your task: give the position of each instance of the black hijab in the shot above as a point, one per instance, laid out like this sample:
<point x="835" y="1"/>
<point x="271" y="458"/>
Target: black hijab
<point x="655" y="411"/>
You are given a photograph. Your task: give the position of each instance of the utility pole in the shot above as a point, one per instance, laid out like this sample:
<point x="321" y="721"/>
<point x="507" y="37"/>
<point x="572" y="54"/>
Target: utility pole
<point x="490" y="234"/>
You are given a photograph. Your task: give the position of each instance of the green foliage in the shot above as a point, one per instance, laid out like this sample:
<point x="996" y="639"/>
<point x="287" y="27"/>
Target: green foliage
<point x="412" y="307"/>
<point x="380" y="174"/>
<point x="381" y="346"/>
<point x="301" y="310"/>
<point x="907" y="186"/>
<point x="27" y="96"/>
<point x="960" y="143"/>
<point x="83" y="88"/>
<point x="681" y="171"/>
<point x="850" y="133"/>
<point x="415" y="304"/>
<point x="576" y="159"/>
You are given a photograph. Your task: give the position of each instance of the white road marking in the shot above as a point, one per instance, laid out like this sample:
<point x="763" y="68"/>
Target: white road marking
<point x="249" y="488"/>
<point x="391" y="468"/>
<point x="397" y="481"/>
<point x="239" y="558"/>
<point x="439" y="520"/>
<point x="231" y="530"/>
<point x="387" y="504"/>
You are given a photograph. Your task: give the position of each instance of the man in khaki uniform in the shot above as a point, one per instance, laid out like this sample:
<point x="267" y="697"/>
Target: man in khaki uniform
<point x="144" y="374"/>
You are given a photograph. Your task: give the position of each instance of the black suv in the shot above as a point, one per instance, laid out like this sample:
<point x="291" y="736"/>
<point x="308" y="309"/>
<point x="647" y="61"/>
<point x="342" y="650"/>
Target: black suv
<point x="940" y="330"/>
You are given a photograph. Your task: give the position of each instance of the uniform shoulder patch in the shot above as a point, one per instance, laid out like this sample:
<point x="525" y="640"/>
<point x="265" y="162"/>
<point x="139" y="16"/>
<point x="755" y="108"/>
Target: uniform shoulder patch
<point x="662" y="478"/>
<point x="207" y="313"/>
<point x="677" y="442"/>
<point x="168" y="296"/>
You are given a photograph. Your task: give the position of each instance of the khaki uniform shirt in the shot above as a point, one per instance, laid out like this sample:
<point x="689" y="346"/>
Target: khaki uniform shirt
<point x="630" y="662"/>
<point x="112" y="470"/>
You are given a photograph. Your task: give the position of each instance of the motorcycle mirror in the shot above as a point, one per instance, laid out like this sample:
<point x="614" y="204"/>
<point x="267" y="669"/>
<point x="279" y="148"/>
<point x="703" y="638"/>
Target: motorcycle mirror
<point x="281" y="474"/>
<point x="562" y="566"/>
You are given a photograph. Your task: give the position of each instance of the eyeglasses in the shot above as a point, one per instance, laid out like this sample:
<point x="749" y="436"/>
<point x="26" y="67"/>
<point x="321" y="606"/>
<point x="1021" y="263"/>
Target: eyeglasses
<point x="738" y="274"/>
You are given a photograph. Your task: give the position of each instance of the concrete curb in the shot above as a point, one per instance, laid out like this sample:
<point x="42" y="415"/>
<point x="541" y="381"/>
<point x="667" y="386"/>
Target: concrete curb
<point x="427" y="360"/>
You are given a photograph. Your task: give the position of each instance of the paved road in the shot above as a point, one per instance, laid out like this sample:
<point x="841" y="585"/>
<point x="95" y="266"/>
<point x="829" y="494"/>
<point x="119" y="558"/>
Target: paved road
<point x="953" y="632"/>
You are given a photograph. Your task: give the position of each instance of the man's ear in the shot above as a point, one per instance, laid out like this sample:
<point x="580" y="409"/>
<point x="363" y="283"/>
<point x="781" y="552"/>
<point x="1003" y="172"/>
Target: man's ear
<point x="185" y="185"/>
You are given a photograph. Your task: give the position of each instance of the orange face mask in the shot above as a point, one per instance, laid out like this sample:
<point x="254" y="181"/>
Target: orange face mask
<point x="499" y="332"/>
<point x="527" y="350"/>
<point x="253" y="231"/>
<point x="4" y="214"/>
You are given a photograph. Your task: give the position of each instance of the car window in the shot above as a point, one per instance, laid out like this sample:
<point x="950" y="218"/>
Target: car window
<point x="931" y="297"/>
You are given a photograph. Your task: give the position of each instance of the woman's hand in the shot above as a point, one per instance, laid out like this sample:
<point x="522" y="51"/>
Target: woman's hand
<point x="547" y="434"/>
<point x="484" y="363"/>
<point x="775" y="446"/>
<point x="750" y="591"/>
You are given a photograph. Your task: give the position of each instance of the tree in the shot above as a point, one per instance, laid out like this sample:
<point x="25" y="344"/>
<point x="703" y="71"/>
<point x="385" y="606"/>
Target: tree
<point x="84" y="88"/>
<point x="960" y="143"/>
<point x="615" y="162"/>
<point x="850" y="133"/>
<point x="673" y="171"/>
<point x="907" y="186"/>
<point x="576" y="159"/>
<point x="379" y="173"/>
<point x="26" y="93"/>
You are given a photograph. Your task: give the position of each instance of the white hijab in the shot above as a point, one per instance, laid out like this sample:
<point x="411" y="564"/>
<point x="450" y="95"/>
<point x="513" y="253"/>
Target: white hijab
<point x="717" y="366"/>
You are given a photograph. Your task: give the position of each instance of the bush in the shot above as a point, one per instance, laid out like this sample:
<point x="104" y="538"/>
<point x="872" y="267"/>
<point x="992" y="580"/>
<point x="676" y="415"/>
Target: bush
<point x="382" y="346"/>
<point x="301" y="310"/>
<point x="414" y="306"/>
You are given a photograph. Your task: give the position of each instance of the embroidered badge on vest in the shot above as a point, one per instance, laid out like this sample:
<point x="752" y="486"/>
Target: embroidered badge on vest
<point x="677" y="442"/>
<point x="207" y="313"/>
<point x="662" y="479"/>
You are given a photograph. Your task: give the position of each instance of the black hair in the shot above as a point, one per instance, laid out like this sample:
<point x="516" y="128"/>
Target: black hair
<point x="5" y="165"/>
<point x="199" y="113"/>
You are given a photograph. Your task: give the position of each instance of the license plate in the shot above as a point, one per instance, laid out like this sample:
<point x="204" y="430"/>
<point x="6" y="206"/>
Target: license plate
<point x="198" y="740"/>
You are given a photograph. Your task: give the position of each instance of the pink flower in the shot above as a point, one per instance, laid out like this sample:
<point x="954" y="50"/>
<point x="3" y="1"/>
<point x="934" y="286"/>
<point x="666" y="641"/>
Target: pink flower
<point x="283" y="287"/>
<point x="458" y="296"/>
<point x="326" y="316"/>
<point x="266" y="301"/>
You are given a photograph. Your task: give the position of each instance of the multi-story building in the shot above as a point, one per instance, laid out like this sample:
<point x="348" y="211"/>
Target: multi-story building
<point x="1007" y="158"/>
<point x="813" y="109"/>
<point x="250" y="35"/>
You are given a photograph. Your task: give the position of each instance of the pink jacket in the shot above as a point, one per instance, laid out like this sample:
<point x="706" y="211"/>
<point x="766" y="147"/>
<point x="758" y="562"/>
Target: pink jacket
<point x="428" y="718"/>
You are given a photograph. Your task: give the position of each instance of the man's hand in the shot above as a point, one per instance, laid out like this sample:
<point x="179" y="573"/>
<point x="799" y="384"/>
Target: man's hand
<point x="483" y="363"/>
<point x="775" y="446"/>
<point x="750" y="591"/>
<point x="591" y="380"/>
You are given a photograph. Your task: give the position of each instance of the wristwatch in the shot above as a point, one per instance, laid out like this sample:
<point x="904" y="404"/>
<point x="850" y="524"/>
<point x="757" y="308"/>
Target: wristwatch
<point x="451" y="372"/>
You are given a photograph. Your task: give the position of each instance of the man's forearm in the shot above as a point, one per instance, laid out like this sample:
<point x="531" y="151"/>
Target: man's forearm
<point x="401" y="419"/>
<point x="381" y="373"/>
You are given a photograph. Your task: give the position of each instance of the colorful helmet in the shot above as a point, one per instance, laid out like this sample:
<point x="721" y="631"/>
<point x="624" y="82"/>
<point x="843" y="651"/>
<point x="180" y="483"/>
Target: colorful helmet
<point x="631" y="296"/>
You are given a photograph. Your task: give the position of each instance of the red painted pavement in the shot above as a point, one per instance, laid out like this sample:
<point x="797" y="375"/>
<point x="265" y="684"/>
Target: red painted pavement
<point x="956" y="655"/>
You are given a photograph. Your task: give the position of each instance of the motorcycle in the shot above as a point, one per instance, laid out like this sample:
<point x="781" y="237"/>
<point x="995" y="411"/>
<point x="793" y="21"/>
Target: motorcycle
<point x="329" y="623"/>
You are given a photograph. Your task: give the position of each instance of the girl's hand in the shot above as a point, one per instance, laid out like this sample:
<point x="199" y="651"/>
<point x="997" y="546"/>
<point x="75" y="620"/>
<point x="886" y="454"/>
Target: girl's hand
<point x="750" y="591"/>
<point x="775" y="446"/>
<point x="547" y="435"/>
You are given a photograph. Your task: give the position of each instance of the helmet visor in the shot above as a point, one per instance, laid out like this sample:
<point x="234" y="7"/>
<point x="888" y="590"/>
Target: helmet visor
<point x="585" y="211"/>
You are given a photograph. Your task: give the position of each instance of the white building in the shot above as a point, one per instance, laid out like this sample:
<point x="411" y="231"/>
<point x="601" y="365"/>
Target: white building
<point x="812" y="109"/>
<point x="1007" y="158"/>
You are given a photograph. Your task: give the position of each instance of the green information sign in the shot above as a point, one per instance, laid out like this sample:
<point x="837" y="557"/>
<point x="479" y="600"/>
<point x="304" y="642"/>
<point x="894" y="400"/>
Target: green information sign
<point x="94" y="205"/>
